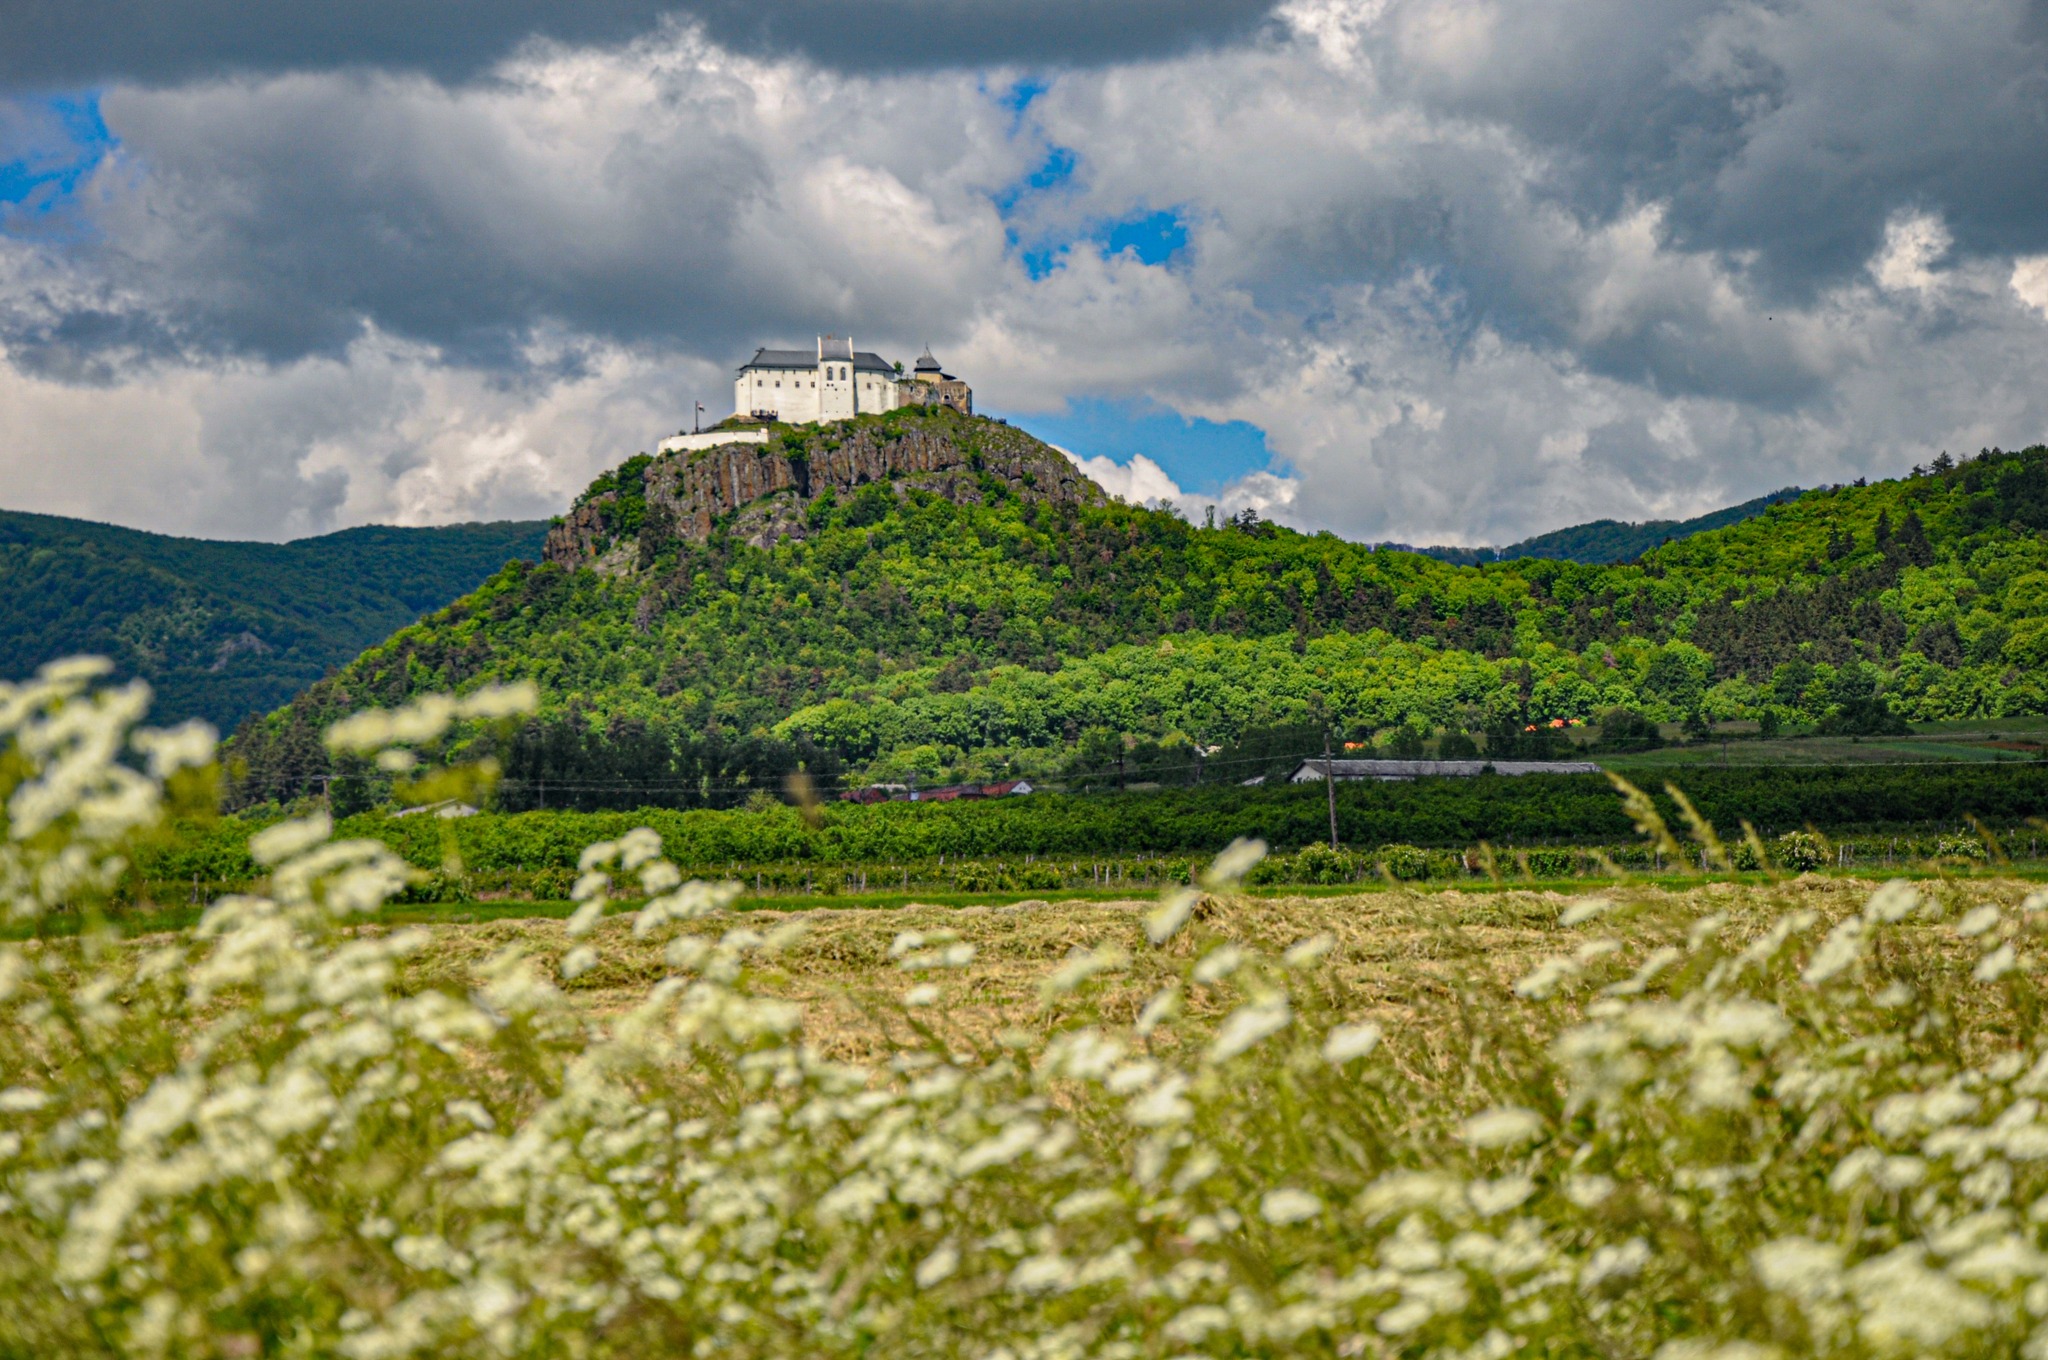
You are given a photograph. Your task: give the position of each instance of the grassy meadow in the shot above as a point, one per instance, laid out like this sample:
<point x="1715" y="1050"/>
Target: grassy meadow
<point x="1728" y="1119"/>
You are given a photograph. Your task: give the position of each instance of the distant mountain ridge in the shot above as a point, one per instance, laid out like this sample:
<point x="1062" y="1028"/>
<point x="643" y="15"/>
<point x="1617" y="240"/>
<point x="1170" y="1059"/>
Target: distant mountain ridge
<point x="223" y="630"/>
<point x="1605" y="542"/>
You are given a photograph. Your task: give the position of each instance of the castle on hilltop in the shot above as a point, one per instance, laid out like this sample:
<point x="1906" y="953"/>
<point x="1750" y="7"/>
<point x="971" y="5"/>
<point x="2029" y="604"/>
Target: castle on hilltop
<point x="838" y="381"/>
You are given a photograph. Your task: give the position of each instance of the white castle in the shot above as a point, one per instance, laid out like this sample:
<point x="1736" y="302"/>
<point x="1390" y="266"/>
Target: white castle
<point x="834" y="382"/>
<point x="799" y="386"/>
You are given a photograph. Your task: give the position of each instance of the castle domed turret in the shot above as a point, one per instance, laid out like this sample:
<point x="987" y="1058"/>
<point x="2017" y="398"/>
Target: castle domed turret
<point x="927" y="367"/>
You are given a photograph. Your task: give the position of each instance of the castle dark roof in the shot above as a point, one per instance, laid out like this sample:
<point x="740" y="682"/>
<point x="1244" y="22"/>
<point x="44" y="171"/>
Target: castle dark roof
<point x="925" y="362"/>
<point x="864" y="362"/>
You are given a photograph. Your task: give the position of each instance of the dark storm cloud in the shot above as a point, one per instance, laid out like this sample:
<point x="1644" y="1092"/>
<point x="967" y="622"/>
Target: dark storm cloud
<point x="1787" y="132"/>
<point x="63" y="43"/>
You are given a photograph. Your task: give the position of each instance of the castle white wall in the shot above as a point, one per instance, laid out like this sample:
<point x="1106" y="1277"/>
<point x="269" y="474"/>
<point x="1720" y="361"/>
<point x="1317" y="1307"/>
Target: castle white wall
<point x="791" y="394"/>
<point x="710" y="439"/>
<point x="804" y="395"/>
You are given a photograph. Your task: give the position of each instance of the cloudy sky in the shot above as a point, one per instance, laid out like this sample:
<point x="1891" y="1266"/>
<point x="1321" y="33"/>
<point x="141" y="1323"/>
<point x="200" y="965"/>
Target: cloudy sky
<point x="1428" y="270"/>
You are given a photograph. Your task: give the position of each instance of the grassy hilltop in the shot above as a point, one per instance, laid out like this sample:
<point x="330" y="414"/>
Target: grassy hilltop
<point x="899" y="630"/>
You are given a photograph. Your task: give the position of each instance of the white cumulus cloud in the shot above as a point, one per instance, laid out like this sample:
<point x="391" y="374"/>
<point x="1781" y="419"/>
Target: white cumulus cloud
<point x="1140" y="481"/>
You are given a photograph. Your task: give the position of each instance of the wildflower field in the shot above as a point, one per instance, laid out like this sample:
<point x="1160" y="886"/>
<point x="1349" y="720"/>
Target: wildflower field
<point x="1794" y="1116"/>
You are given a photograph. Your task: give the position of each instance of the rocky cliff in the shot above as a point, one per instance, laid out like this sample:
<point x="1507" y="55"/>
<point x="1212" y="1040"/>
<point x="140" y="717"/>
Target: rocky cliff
<point x="764" y="493"/>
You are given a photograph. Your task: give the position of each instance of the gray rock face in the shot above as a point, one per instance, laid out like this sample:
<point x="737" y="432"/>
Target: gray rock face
<point x="762" y="493"/>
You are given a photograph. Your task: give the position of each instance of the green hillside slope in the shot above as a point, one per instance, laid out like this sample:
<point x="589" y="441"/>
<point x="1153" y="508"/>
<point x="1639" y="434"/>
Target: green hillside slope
<point x="991" y="629"/>
<point x="223" y="630"/>
<point x="1611" y="540"/>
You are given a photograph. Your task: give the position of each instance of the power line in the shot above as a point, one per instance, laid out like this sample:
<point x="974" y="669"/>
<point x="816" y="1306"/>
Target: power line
<point x="1107" y="772"/>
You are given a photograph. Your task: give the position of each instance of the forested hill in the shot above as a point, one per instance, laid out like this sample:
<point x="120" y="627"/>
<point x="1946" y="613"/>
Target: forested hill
<point x="904" y="631"/>
<point x="1612" y="540"/>
<point x="222" y="629"/>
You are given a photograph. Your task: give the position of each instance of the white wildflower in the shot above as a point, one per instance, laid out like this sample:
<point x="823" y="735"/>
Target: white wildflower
<point x="1083" y="1203"/>
<point x="1894" y="901"/>
<point x="1653" y="963"/>
<point x="1618" y="1261"/>
<point x="1042" y="1275"/>
<point x="1588" y="1190"/>
<point x="2002" y="1262"/>
<point x="1191" y="1325"/>
<point x="1219" y="963"/>
<point x="1807" y="1270"/>
<point x="659" y="877"/>
<point x="1131" y="1076"/>
<point x="1014" y="1141"/>
<point x="1698" y="1348"/>
<point x="1505" y="1126"/>
<point x="1907" y="1307"/>
<point x="1346" y="1042"/>
<point x="276" y="844"/>
<point x="938" y="1266"/>
<point x="1288" y="1205"/>
<point x="470" y="1112"/>
<point x="1585" y="909"/>
<point x="1079" y="967"/>
<point x="1237" y="860"/>
<point x="1704" y="929"/>
<point x="1995" y="964"/>
<point x="1164" y="921"/>
<point x="1246" y="1026"/>
<point x="22" y="1099"/>
<point x="1310" y="950"/>
<point x="1541" y="981"/>
<point x="641" y="845"/>
<point x="1899" y="1173"/>
<point x="578" y="961"/>
<point x="685" y="952"/>
<point x="924" y="994"/>
<point x="1164" y="1005"/>
<point x="1082" y="1055"/>
<point x="160" y="1111"/>
<point x="1743" y="1024"/>
<point x="1398" y="1192"/>
<point x="1493" y="1197"/>
<point x="501" y="701"/>
<point x="1978" y="921"/>
<point x="1837" y="953"/>
<point x="1597" y="948"/>
<point x="187" y="746"/>
<point x="1855" y="1168"/>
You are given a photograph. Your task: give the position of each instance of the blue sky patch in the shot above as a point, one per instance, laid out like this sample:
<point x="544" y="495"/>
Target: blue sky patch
<point x="1156" y="237"/>
<point x="1019" y="96"/>
<point x="47" y="148"/>
<point x="1201" y="455"/>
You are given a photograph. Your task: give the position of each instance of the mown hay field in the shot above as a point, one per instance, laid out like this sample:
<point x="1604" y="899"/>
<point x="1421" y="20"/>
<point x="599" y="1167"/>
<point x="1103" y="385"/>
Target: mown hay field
<point x="1411" y="959"/>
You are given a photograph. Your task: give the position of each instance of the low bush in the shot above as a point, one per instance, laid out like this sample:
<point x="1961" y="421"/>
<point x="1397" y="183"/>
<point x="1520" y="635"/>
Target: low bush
<point x="1318" y="863"/>
<point x="1800" y="851"/>
<point x="1962" y="847"/>
<point x="1406" y="863"/>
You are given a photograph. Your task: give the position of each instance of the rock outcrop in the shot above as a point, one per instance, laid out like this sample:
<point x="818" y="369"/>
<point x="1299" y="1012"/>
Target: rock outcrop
<point x="762" y="493"/>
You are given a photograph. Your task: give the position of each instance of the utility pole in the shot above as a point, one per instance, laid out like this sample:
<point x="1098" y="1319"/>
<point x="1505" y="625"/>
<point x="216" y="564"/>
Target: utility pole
<point x="1330" y="784"/>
